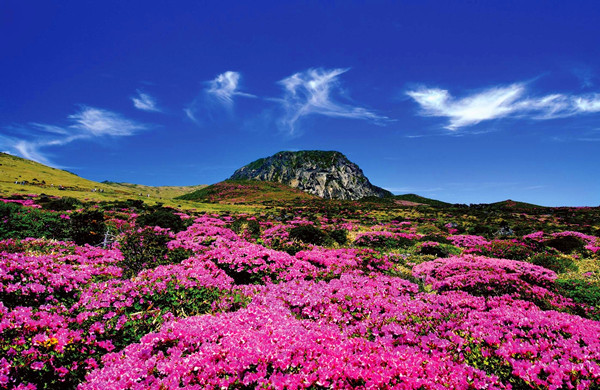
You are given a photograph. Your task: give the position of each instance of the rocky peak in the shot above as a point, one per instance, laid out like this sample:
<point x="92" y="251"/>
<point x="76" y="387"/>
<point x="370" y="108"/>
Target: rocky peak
<point x="327" y="174"/>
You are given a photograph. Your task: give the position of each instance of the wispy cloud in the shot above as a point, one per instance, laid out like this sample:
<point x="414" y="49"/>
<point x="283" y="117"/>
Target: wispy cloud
<point x="88" y="123"/>
<point x="225" y="86"/>
<point x="97" y="122"/>
<point x="500" y="102"/>
<point x="144" y="102"/>
<point x="311" y="93"/>
<point x="219" y="93"/>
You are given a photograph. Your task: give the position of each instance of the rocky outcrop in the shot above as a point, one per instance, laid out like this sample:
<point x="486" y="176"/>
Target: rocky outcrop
<point x="329" y="175"/>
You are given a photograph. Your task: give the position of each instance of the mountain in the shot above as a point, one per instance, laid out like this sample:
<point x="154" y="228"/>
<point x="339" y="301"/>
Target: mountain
<point x="327" y="174"/>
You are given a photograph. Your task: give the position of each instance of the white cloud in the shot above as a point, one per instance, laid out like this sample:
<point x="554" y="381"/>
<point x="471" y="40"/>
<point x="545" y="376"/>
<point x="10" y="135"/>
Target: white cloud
<point x="30" y="150"/>
<point x="310" y="92"/>
<point x="219" y="94"/>
<point x="98" y="122"/>
<point x="88" y="123"/>
<point x="225" y="86"/>
<point x="589" y="103"/>
<point x="490" y="104"/>
<point x="144" y="102"/>
<point x="499" y="102"/>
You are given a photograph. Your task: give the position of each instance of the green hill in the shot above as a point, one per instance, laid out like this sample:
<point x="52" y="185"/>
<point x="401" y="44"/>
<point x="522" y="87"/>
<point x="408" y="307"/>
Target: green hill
<point x="511" y="204"/>
<point x="21" y="176"/>
<point x="420" y="199"/>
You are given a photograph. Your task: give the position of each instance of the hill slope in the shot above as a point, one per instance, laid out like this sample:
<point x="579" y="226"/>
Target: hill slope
<point x="20" y="175"/>
<point x="247" y="192"/>
<point x="420" y="200"/>
<point x="327" y="174"/>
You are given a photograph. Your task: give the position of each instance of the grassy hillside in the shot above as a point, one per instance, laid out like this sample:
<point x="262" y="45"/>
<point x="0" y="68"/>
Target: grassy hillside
<point x="247" y="192"/>
<point x="22" y="176"/>
<point x="167" y="192"/>
<point x="511" y="204"/>
<point x="420" y="200"/>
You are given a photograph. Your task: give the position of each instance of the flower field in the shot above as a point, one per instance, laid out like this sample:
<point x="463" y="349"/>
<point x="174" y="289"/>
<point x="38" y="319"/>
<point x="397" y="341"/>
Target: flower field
<point x="313" y="295"/>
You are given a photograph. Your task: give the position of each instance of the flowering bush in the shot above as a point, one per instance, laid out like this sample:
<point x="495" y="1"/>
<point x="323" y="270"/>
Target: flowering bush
<point x="484" y="276"/>
<point x="503" y="249"/>
<point x="385" y="239"/>
<point x="358" y="332"/>
<point x="208" y="308"/>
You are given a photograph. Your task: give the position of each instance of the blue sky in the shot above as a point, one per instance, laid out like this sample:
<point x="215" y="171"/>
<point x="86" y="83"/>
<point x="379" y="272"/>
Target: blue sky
<point x="467" y="102"/>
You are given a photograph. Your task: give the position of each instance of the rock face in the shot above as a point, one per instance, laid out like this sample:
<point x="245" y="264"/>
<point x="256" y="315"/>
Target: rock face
<point x="329" y="175"/>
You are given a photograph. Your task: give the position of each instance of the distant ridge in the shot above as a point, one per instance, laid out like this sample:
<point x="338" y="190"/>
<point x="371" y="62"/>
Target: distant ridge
<point x="512" y="204"/>
<point x="18" y="175"/>
<point x="421" y="200"/>
<point x="326" y="174"/>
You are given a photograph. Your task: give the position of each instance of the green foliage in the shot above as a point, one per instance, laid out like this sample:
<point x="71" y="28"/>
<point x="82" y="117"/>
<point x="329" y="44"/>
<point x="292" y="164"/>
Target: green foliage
<point x="244" y="226"/>
<point x="59" y="204"/>
<point x="22" y="222"/>
<point x="566" y="244"/>
<point x="441" y="250"/>
<point x="185" y="302"/>
<point x="340" y="236"/>
<point x="384" y="243"/>
<point x="147" y="248"/>
<point x="583" y="292"/>
<point x="492" y="364"/>
<point x="554" y="262"/>
<point x="309" y="234"/>
<point x="132" y="204"/>
<point x="87" y="227"/>
<point x="163" y="217"/>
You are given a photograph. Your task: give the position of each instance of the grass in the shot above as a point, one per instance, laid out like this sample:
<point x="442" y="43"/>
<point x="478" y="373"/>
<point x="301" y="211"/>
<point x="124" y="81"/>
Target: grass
<point x="421" y="200"/>
<point x="41" y="179"/>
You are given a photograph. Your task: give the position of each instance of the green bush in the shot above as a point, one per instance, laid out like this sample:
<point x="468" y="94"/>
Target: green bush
<point x="504" y="249"/>
<point x="584" y="293"/>
<point x="147" y="248"/>
<point x="87" y="227"/>
<point x="566" y="244"/>
<point x="17" y="221"/>
<point x="441" y="250"/>
<point x="249" y="226"/>
<point x="309" y="234"/>
<point x="163" y="217"/>
<point x="556" y="263"/>
<point x="59" y="204"/>
<point x="340" y="236"/>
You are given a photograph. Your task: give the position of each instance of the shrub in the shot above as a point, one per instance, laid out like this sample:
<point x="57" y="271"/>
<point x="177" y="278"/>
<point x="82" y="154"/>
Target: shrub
<point x="87" y="227"/>
<point x="147" y="248"/>
<point x="566" y="244"/>
<point x="556" y="263"/>
<point x="340" y="236"/>
<point x="162" y="217"/>
<point x="386" y="240"/>
<point x="22" y="222"/>
<point x="249" y="226"/>
<point x="503" y="249"/>
<point x="59" y="204"/>
<point x="585" y="293"/>
<point x="309" y="234"/>
<point x="439" y="250"/>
